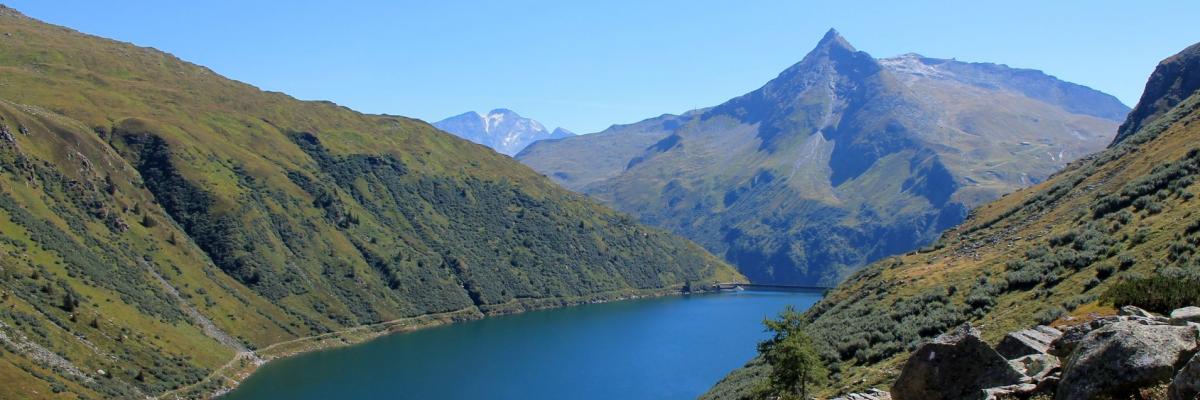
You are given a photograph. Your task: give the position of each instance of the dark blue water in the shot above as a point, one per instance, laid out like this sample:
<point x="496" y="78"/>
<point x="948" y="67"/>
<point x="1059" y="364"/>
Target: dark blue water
<point x="663" y="348"/>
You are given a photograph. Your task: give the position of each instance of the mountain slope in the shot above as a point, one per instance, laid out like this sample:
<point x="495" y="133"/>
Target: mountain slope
<point x="502" y="130"/>
<point x="840" y="160"/>
<point x="1115" y="228"/>
<point x="164" y="229"/>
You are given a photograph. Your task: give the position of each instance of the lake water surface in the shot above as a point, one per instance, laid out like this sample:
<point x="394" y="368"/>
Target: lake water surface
<point x="672" y="347"/>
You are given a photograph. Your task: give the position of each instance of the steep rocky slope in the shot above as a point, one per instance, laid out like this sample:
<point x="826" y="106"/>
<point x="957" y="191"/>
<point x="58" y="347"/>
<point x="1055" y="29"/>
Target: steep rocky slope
<point x="501" y="129"/>
<point x="840" y="160"/>
<point x="164" y="229"/>
<point x="1116" y="228"/>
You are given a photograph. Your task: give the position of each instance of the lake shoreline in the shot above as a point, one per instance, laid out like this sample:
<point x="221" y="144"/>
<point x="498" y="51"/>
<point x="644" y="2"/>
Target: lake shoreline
<point x="229" y="376"/>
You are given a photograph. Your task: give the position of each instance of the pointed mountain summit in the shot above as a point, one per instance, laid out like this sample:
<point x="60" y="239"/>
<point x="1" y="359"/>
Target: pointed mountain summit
<point x="840" y="160"/>
<point x="501" y="129"/>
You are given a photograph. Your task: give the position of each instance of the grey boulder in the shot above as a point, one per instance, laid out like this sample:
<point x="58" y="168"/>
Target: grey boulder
<point x="1133" y="311"/>
<point x="1065" y="344"/>
<point x="1037" y="367"/>
<point x="1027" y="342"/>
<point x="955" y="365"/>
<point x="1186" y="385"/>
<point x="1184" y="315"/>
<point x="1119" y="357"/>
<point x="873" y="394"/>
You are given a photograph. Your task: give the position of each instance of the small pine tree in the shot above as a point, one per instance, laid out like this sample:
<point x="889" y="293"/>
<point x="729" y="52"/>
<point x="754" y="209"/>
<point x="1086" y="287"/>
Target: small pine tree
<point x="69" y="302"/>
<point x="796" y="369"/>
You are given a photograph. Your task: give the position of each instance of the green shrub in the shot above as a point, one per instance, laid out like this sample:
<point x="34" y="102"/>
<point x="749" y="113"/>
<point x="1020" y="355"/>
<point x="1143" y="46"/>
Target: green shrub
<point x="1158" y="293"/>
<point x="1048" y="315"/>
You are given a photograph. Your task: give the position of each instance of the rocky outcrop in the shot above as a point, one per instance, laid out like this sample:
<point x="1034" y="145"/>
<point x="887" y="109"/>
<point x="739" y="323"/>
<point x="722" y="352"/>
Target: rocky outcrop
<point x="1106" y="357"/>
<point x="956" y="365"/>
<point x="1186" y="385"/>
<point x="1027" y="342"/>
<point x="1065" y="344"/>
<point x="1036" y="367"/>
<point x="1132" y="311"/>
<point x="1174" y="80"/>
<point x="1185" y="315"/>
<point x="873" y="394"/>
<point x="1120" y="357"/>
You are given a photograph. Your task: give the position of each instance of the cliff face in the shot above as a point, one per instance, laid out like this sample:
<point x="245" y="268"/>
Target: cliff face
<point x="1173" y="81"/>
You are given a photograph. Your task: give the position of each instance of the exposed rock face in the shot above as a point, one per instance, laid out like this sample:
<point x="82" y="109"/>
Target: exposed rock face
<point x="873" y="394"/>
<point x="1186" y="385"/>
<point x="1019" y="390"/>
<point x="1027" y="342"/>
<point x="1137" y="312"/>
<point x="1065" y="344"/>
<point x="1122" y="356"/>
<point x="1184" y="315"/>
<point x="1038" y="367"/>
<point x="1174" y="80"/>
<point x="956" y="365"/>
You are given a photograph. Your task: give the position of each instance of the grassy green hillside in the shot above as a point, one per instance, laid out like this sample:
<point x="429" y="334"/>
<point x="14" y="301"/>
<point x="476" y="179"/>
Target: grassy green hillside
<point x="1115" y="228"/>
<point x="164" y="228"/>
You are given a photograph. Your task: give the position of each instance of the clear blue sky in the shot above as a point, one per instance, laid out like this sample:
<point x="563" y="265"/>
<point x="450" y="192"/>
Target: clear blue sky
<point x="585" y="65"/>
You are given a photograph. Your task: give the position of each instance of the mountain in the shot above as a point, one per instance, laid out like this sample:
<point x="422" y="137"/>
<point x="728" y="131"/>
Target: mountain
<point x="840" y="160"/>
<point x="1173" y="81"/>
<point x="501" y="129"/>
<point x="1114" y="228"/>
<point x="164" y="230"/>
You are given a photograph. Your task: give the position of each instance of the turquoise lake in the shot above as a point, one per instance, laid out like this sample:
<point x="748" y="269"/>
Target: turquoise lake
<point x="672" y="347"/>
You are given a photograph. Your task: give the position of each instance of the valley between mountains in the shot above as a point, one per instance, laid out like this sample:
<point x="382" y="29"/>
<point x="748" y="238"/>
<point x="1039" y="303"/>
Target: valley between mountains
<point x="166" y="231"/>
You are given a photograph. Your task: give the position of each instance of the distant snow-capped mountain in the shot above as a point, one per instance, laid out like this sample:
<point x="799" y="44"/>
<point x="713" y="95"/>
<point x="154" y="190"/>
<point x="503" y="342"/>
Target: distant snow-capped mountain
<point x="501" y="129"/>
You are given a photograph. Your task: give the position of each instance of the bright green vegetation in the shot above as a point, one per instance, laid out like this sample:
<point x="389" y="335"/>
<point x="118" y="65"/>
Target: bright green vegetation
<point x="841" y="160"/>
<point x="159" y="223"/>
<point x="1112" y="229"/>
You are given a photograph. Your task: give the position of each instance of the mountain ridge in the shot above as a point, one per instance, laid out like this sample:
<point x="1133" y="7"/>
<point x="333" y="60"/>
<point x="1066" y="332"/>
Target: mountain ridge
<point x="838" y="161"/>
<point x="1113" y="228"/>
<point x="501" y="129"/>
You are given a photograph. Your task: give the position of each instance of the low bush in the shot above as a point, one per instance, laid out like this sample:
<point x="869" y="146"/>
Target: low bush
<point x="1158" y="293"/>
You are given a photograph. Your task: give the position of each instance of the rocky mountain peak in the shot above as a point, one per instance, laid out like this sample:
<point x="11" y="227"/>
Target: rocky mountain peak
<point x="501" y="129"/>
<point x="834" y="39"/>
<point x="1174" y="80"/>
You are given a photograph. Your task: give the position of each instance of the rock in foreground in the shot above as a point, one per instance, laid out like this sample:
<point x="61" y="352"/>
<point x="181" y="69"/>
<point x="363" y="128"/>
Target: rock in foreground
<point x="956" y="365"/>
<point x="1120" y="357"/>
<point x="1186" y="385"/>
<point x="1027" y="342"/>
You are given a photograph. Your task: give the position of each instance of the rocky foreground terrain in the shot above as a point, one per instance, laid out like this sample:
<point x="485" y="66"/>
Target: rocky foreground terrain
<point x="1135" y="354"/>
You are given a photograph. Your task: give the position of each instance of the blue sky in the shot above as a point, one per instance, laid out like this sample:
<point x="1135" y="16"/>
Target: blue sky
<point x="585" y="65"/>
